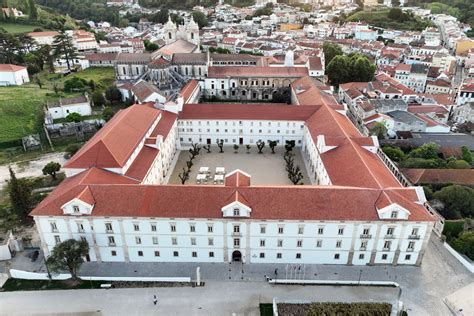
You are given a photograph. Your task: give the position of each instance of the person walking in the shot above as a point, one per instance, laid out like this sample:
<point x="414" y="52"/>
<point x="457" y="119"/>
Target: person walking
<point x="155" y="300"/>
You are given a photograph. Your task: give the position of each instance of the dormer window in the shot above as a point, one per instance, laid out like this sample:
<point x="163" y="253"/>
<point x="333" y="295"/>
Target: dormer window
<point x="394" y="214"/>
<point x="236" y="212"/>
<point x="76" y="209"/>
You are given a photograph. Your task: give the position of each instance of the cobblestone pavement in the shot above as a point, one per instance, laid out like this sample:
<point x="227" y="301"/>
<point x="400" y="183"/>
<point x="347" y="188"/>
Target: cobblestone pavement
<point x="265" y="169"/>
<point x="215" y="298"/>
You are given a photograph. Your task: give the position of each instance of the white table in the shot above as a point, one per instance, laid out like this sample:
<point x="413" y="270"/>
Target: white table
<point x="201" y="177"/>
<point x="218" y="178"/>
<point x="220" y="170"/>
<point x="204" y="170"/>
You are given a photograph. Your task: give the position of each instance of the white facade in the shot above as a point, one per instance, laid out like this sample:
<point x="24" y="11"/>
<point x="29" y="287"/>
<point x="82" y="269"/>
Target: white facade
<point x="217" y="240"/>
<point x="13" y="77"/>
<point x="61" y="111"/>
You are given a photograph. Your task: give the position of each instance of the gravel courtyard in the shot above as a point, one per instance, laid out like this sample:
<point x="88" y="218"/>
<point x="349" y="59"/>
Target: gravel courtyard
<point x="265" y="168"/>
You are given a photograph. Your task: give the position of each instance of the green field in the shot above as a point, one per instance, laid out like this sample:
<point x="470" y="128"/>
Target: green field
<point x="379" y="18"/>
<point x="18" y="28"/>
<point x="21" y="106"/>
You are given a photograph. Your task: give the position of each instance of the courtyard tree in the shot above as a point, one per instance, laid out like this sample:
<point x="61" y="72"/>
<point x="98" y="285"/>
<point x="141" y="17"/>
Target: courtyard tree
<point x="289" y="160"/>
<point x="248" y="148"/>
<point x="295" y="175"/>
<point x="260" y="146"/>
<point x="207" y="148"/>
<point x="63" y="48"/>
<point x="19" y="191"/>
<point x="52" y="168"/>
<point x="184" y="176"/>
<point x="189" y="164"/>
<point x="272" y="144"/>
<point x="220" y="144"/>
<point x="289" y="145"/>
<point x="68" y="255"/>
<point x="194" y="150"/>
<point x="236" y="148"/>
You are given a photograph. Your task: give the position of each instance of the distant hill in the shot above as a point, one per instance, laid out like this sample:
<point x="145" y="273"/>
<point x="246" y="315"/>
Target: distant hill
<point x="382" y="18"/>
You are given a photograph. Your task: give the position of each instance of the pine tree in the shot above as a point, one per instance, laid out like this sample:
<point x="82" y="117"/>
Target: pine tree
<point x="64" y="48"/>
<point x="20" y="195"/>
<point x="33" y="10"/>
<point x="5" y="4"/>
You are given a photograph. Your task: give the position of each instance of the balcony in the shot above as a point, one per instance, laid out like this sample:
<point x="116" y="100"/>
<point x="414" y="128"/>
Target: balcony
<point x="365" y="236"/>
<point x="386" y="249"/>
<point x="236" y="234"/>
<point x="389" y="237"/>
<point x="236" y="246"/>
<point x="414" y="237"/>
<point x="111" y="244"/>
<point x="410" y="249"/>
<point x="109" y="231"/>
<point x="363" y="248"/>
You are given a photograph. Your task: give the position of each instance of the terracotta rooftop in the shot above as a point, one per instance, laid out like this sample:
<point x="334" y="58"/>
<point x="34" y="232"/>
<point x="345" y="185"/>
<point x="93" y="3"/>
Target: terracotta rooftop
<point x="10" y="68"/>
<point x="440" y="176"/>
<point x="230" y="71"/>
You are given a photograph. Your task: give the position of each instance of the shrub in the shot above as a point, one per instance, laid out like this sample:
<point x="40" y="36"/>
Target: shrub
<point x="464" y="244"/>
<point x="452" y="229"/>
<point x="113" y="94"/>
<point x="458" y="201"/>
<point x="74" y="117"/>
<point x="426" y="151"/>
<point x="394" y="153"/>
<point x="75" y="84"/>
<point x="98" y="98"/>
<point x="419" y="163"/>
<point x="458" y="164"/>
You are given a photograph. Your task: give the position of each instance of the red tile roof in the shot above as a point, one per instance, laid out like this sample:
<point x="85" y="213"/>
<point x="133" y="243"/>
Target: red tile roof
<point x="115" y="142"/>
<point x="188" y="89"/>
<point x="231" y="71"/>
<point x="10" y="68"/>
<point x="440" y="176"/>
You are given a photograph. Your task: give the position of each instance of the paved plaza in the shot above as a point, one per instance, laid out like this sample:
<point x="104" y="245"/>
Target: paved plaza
<point x="423" y="288"/>
<point x="265" y="168"/>
<point x="215" y="298"/>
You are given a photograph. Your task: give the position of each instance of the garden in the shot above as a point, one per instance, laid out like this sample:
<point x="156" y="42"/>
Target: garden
<point x="335" y="308"/>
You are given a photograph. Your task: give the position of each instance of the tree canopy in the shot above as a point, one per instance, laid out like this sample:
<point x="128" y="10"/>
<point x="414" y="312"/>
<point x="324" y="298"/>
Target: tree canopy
<point x="353" y="68"/>
<point x="52" y="168"/>
<point x="330" y="51"/>
<point x="200" y="18"/>
<point x="19" y="191"/>
<point x="67" y="255"/>
<point x="458" y="201"/>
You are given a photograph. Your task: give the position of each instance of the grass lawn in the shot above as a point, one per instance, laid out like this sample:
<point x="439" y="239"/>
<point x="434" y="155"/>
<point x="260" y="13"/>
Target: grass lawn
<point x="34" y="285"/>
<point x="266" y="309"/>
<point x="21" y="106"/>
<point x="16" y="28"/>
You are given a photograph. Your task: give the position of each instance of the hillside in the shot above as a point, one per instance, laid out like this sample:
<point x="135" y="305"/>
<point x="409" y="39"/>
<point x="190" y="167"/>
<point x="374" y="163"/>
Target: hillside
<point x="383" y="19"/>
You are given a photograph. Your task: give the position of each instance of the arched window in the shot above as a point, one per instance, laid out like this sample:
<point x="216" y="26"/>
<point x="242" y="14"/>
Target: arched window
<point x="170" y="36"/>
<point x="192" y="36"/>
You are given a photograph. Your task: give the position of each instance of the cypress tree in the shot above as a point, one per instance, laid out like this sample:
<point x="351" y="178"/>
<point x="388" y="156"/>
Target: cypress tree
<point x="33" y="10"/>
<point x="20" y="195"/>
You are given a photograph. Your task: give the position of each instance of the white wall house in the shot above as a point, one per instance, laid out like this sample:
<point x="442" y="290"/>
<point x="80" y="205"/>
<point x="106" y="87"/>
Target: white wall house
<point x="13" y="75"/>
<point x="63" y="107"/>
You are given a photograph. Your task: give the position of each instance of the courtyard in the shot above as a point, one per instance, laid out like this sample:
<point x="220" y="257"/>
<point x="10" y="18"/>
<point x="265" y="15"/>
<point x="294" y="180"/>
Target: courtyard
<point x="265" y="168"/>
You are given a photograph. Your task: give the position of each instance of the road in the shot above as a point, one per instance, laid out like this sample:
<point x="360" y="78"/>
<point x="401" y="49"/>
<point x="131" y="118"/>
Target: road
<point x="218" y="298"/>
<point x="30" y="168"/>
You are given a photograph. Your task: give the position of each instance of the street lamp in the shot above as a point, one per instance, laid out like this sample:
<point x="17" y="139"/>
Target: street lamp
<point x="360" y="276"/>
<point x="46" y="265"/>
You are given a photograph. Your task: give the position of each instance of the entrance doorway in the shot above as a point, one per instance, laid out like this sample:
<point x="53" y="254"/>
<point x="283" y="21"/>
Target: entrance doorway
<point x="208" y="141"/>
<point x="241" y="141"/>
<point x="88" y="258"/>
<point x="236" y="256"/>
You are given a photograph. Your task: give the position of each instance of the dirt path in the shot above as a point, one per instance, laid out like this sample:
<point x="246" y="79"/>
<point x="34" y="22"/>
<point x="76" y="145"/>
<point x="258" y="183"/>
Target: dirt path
<point x="31" y="168"/>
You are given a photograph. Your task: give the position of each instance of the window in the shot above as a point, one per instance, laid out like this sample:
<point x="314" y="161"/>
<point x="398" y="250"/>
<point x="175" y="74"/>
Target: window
<point x="411" y="245"/>
<point x="211" y="254"/>
<point x="298" y="256"/>
<point x="262" y="242"/>
<point x="193" y="241"/>
<point x="262" y="229"/>
<point x="54" y="228"/>
<point x="320" y="230"/>
<point x="174" y="241"/>
<point x="414" y="231"/>
<point x="194" y="254"/>
<point x="175" y="254"/>
<point x="236" y="229"/>
<point x="299" y="243"/>
<point x="136" y="227"/>
<point x="210" y="241"/>
<point x="108" y="227"/>
<point x="366" y="231"/>
<point x="280" y="229"/>
<point x="76" y="209"/>
<point x="236" y="212"/>
<point x="209" y="228"/>
<point x="111" y="241"/>
<point x="280" y="243"/>
<point x="394" y="214"/>
<point x="384" y="256"/>
<point x="300" y="230"/>
<point x="262" y="255"/>
<point x="192" y="228"/>
<point x="173" y="227"/>
<point x="407" y="257"/>
<point x="338" y="244"/>
<point x="361" y="256"/>
<point x="157" y="253"/>
<point x="80" y="227"/>
<point x="336" y="256"/>
<point x="57" y="239"/>
<point x="140" y="253"/>
<point x="387" y="244"/>
<point x="83" y="238"/>
<point x="390" y="231"/>
<point x="319" y="243"/>
<point x="138" y="240"/>
<point x="363" y="245"/>
<point x="340" y="231"/>
<point x="113" y="253"/>
<point x="153" y="227"/>
<point x="155" y="240"/>
<point x="236" y="242"/>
